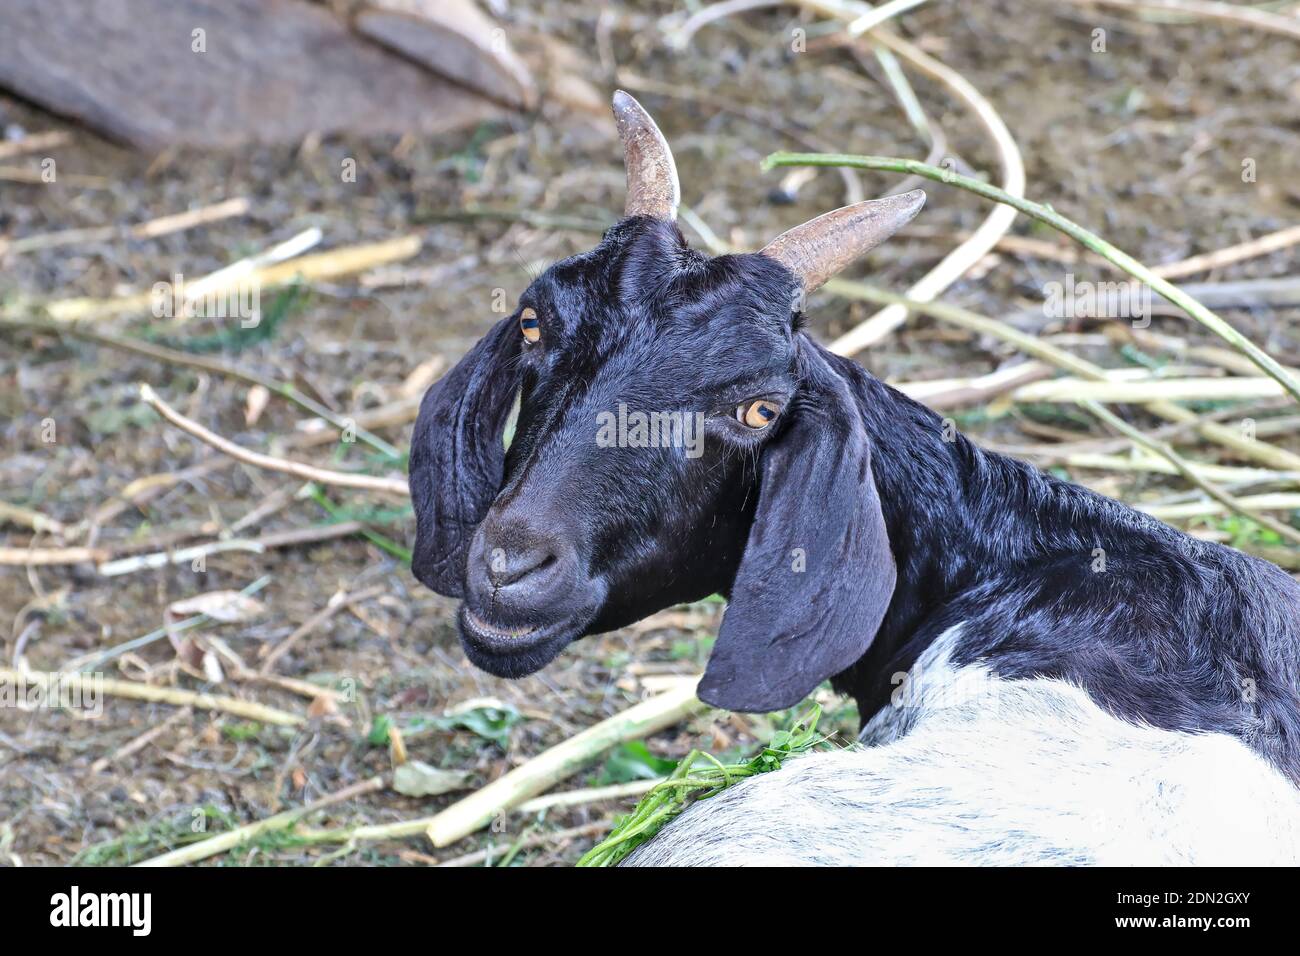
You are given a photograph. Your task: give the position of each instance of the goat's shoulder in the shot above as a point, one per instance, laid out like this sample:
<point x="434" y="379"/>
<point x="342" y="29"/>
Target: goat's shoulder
<point x="1192" y="638"/>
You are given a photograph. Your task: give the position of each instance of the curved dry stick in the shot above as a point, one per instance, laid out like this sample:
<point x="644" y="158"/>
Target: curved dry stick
<point x="861" y="17"/>
<point x="998" y="222"/>
<point x="322" y="476"/>
<point x="983" y="240"/>
<point x="681" y="36"/>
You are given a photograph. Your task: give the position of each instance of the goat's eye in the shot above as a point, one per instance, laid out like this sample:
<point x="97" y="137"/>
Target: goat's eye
<point x="758" y="414"/>
<point x="529" y="325"/>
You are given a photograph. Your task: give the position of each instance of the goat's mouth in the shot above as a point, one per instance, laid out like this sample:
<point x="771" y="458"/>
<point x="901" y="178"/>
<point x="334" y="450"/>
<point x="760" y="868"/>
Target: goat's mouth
<point x="514" y="651"/>
<point x="483" y="629"/>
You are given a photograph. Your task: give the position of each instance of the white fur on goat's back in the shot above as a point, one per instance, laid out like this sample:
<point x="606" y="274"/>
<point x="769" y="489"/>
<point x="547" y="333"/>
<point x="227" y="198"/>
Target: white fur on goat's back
<point x="930" y="683"/>
<point x="986" y="771"/>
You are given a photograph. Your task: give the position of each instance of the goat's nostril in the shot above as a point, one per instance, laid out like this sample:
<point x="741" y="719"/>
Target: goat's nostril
<point x="507" y="567"/>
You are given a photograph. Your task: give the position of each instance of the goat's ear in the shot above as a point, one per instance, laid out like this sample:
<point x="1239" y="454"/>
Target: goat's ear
<point x="817" y="573"/>
<point x="458" y="456"/>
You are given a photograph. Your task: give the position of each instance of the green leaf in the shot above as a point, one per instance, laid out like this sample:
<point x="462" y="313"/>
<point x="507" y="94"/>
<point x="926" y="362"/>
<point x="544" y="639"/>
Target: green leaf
<point x="634" y="761"/>
<point x="379" y="728"/>
<point x="245" y="730"/>
<point x="490" y="723"/>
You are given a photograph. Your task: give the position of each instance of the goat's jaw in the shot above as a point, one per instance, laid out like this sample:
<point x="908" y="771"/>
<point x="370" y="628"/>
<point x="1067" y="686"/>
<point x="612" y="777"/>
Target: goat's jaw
<point x="515" y="651"/>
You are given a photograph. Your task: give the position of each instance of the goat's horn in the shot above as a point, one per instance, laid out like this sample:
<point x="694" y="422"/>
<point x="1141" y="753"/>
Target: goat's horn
<point x="823" y="246"/>
<point x="652" y="188"/>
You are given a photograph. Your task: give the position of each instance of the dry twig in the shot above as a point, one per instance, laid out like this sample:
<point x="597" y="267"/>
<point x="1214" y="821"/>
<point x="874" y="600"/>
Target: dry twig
<point x="152" y="229"/>
<point x="319" y="266"/>
<point x="240" y="835"/>
<point x="17" y="514"/>
<point x="1187" y="471"/>
<point x="267" y="542"/>
<point x="94" y="683"/>
<point x="392" y="486"/>
<point x="336" y="603"/>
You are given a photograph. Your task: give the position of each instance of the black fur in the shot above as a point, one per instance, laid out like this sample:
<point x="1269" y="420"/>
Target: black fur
<point x="1182" y="634"/>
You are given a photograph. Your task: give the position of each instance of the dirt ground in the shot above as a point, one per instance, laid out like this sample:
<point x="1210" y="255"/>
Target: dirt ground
<point x="1145" y="143"/>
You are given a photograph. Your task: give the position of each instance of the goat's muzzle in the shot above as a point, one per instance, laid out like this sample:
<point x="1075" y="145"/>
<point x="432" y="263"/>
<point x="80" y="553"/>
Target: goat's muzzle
<point x="527" y="593"/>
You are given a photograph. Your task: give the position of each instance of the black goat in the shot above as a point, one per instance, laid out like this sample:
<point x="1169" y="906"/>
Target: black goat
<point x="847" y="526"/>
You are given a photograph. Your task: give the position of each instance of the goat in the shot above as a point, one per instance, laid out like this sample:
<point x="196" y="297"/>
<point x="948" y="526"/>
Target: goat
<point x="857" y="538"/>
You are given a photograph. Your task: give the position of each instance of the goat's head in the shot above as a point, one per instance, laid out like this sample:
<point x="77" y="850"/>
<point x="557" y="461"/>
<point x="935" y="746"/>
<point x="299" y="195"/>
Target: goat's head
<point x="677" y="436"/>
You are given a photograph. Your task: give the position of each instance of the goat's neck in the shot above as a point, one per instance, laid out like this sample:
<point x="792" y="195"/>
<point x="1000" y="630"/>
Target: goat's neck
<point x="957" y="516"/>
